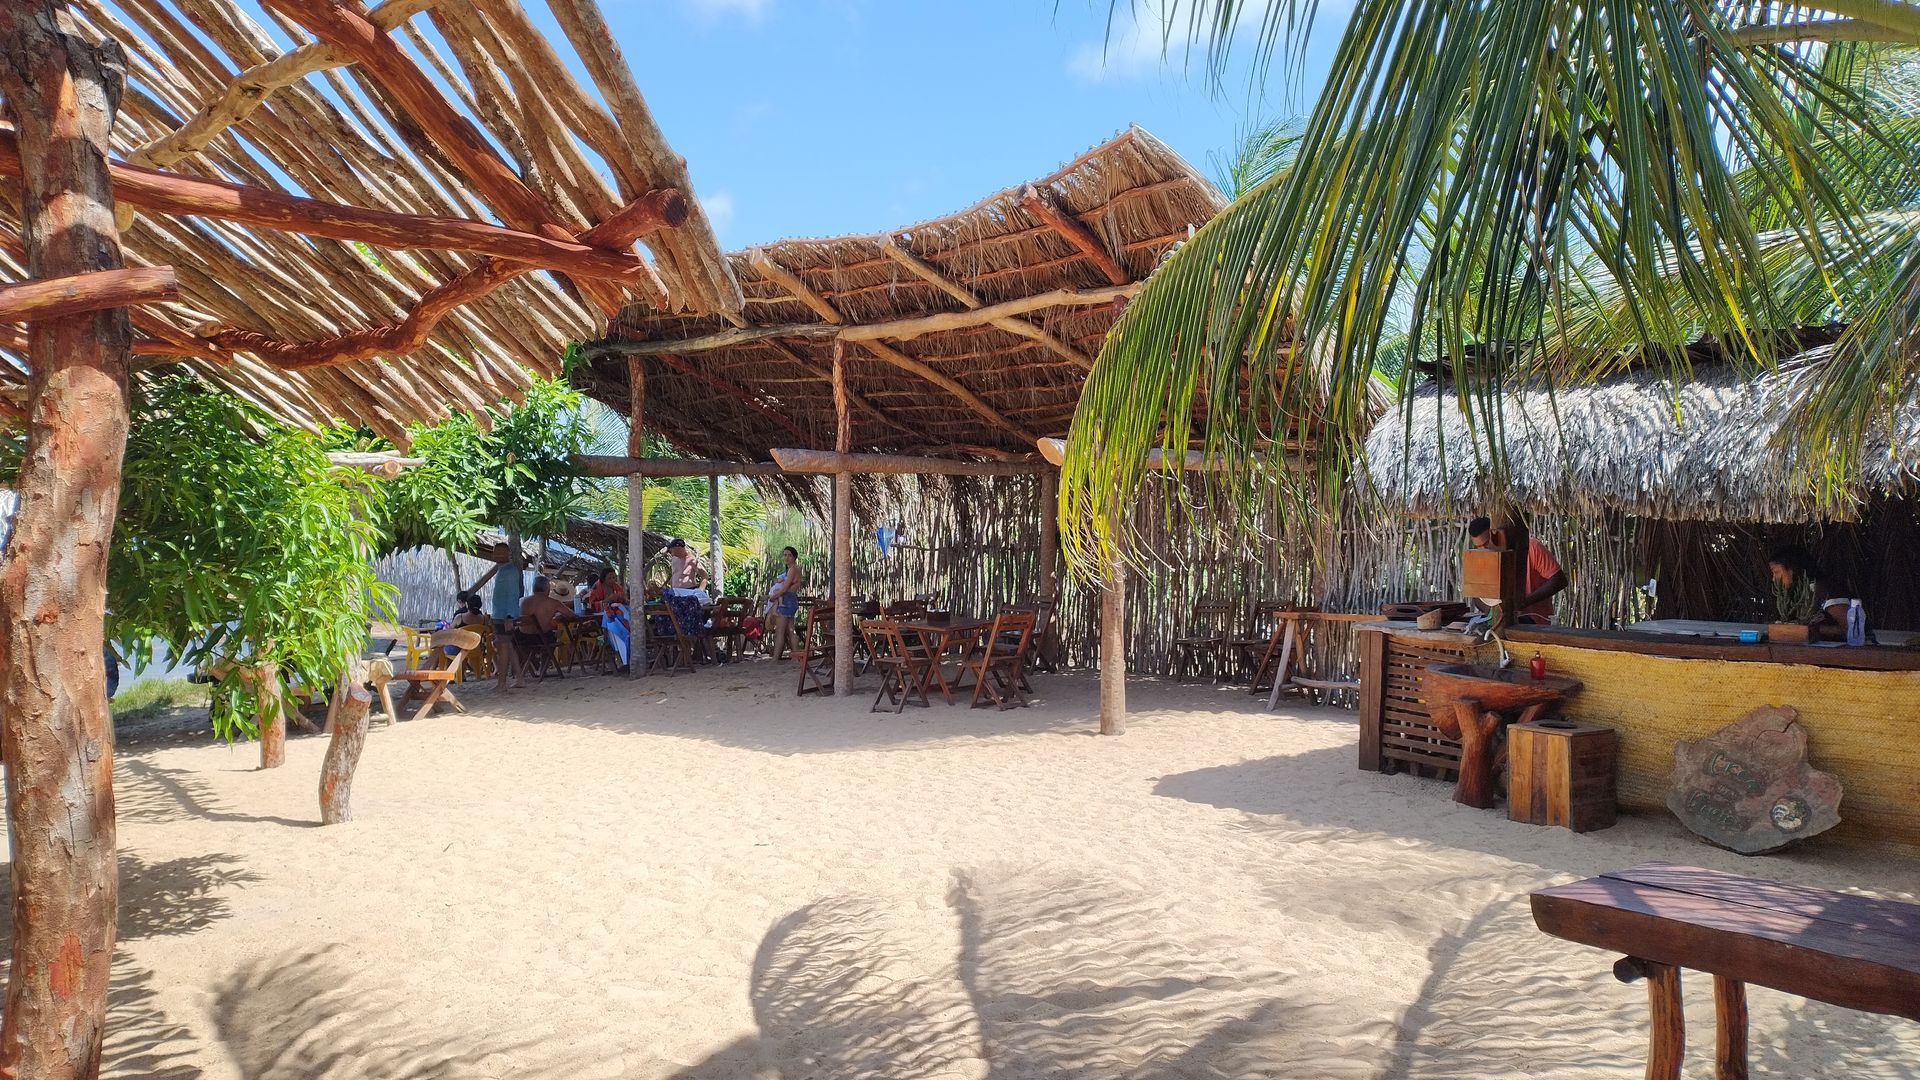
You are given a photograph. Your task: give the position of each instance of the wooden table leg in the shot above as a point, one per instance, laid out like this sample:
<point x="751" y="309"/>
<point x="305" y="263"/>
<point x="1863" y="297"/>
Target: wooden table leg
<point x="1730" y="1040"/>
<point x="1667" y="1022"/>
<point x="938" y="648"/>
<point x="1286" y="665"/>
<point x="1477" y="727"/>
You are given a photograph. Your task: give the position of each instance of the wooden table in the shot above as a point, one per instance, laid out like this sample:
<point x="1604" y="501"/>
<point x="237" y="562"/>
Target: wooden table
<point x="1844" y="950"/>
<point x="1289" y="643"/>
<point x="937" y="637"/>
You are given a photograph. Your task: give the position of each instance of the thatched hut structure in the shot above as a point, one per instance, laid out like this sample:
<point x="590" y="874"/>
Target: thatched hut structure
<point x="1640" y="476"/>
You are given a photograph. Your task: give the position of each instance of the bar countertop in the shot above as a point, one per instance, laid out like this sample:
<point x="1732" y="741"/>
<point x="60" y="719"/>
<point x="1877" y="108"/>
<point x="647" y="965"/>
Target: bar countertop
<point x="1678" y="646"/>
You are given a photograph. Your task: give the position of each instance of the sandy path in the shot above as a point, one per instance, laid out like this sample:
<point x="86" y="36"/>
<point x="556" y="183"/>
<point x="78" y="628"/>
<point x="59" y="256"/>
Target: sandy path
<point x="708" y="878"/>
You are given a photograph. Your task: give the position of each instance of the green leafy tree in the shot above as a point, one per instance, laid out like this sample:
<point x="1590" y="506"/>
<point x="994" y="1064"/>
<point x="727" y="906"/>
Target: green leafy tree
<point x="1474" y="171"/>
<point x="237" y="540"/>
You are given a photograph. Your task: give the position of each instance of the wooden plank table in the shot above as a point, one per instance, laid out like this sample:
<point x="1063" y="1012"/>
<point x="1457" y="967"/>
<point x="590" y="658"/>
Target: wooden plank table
<point x="1289" y="641"/>
<point x="1845" y="950"/>
<point x="938" y="637"/>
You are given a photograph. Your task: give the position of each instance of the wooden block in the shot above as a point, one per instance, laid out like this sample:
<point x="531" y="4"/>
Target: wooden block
<point x="1560" y="772"/>
<point x="1787" y="633"/>
<point x="1480" y="572"/>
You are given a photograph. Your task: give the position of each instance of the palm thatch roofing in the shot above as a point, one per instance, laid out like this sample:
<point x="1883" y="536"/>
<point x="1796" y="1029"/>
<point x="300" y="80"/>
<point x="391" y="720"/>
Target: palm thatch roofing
<point x="968" y="336"/>
<point x="419" y="108"/>
<point x="1716" y="447"/>
<point x="587" y="546"/>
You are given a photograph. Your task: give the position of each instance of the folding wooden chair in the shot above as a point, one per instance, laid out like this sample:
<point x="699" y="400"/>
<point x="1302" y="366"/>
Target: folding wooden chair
<point x="537" y="657"/>
<point x="1044" y="653"/>
<point x="433" y="683"/>
<point x="583" y="645"/>
<point x="816" y="651"/>
<point x="999" y="669"/>
<point x="728" y="627"/>
<point x="1205" y="642"/>
<point x="677" y="647"/>
<point x="905" y="669"/>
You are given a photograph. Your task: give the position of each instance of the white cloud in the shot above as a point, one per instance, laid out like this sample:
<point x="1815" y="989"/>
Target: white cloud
<point x="751" y="9"/>
<point x="1140" y="40"/>
<point x="719" y="208"/>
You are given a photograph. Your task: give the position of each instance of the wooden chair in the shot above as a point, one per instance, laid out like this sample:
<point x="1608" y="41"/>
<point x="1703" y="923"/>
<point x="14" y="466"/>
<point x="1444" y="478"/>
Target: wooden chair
<point x="432" y="683"/>
<point x="583" y="645"/>
<point x="537" y="658"/>
<point x="1205" y="642"/>
<point x="729" y="625"/>
<point x="678" y="648"/>
<point x="481" y="661"/>
<point x="1044" y="653"/>
<point x="816" y="650"/>
<point x="905" y="669"/>
<point x="999" y="668"/>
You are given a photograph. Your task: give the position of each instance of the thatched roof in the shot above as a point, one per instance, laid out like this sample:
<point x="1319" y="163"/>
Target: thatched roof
<point x="455" y="111"/>
<point x="1021" y="288"/>
<point x="1709" y="449"/>
<point x="587" y="546"/>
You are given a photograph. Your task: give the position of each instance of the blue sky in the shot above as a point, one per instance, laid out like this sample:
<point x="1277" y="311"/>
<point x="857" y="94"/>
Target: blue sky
<point x="820" y="117"/>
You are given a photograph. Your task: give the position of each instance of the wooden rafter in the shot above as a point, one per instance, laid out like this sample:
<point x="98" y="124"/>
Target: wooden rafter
<point x="791" y="282"/>
<point x="1041" y="205"/>
<point x="822" y="374"/>
<point x="967" y="397"/>
<point x="77" y="294"/>
<point x="931" y="274"/>
<point x="383" y="61"/>
<point x="169" y="193"/>
<point x="773" y="415"/>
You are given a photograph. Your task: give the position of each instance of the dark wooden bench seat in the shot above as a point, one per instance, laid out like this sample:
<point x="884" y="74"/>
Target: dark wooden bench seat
<point x="1850" y="951"/>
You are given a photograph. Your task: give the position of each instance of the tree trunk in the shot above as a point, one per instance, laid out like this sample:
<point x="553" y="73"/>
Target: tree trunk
<point x="57" y="740"/>
<point x="271" y="712"/>
<point x="343" y="753"/>
<point x="1113" y="651"/>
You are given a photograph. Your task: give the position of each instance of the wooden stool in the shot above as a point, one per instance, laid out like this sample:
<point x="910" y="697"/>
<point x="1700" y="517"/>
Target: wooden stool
<point x="1560" y="772"/>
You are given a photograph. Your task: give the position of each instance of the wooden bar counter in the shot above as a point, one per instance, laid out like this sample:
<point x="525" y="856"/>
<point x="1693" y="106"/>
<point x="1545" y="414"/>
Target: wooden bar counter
<point x="1860" y="706"/>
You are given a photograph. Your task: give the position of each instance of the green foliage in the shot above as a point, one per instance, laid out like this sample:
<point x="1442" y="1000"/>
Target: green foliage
<point x="238" y="541"/>
<point x="443" y="502"/>
<point x="1265" y="151"/>
<point x="1470" y="172"/>
<point x="535" y="486"/>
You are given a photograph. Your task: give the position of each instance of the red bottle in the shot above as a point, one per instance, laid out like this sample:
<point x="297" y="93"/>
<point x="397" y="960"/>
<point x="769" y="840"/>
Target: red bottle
<point x="1538" y="665"/>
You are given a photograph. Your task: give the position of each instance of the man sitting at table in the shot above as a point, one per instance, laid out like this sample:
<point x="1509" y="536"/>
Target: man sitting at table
<point x="540" y="619"/>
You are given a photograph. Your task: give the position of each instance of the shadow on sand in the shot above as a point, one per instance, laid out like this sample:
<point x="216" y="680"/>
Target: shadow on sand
<point x="173" y="794"/>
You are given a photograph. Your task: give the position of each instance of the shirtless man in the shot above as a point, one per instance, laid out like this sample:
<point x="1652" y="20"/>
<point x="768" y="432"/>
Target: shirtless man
<point x="540" y="616"/>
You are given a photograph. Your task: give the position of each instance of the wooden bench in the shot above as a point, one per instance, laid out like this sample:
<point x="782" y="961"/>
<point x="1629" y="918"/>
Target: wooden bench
<point x="1844" y="950"/>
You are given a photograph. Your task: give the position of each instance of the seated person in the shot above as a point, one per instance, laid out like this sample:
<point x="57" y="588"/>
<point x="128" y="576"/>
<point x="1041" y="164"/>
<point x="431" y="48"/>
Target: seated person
<point x="608" y="589"/>
<point x="538" y="625"/>
<point x="470" y="613"/>
<point x="1804" y="593"/>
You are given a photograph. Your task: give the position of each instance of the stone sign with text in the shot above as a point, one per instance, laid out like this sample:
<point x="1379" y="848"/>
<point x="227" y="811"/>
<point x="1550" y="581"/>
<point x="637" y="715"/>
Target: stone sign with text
<point x="1749" y="786"/>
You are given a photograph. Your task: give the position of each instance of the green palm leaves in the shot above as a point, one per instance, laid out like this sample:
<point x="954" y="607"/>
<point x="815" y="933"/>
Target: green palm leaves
<point x="1474" y="172"/>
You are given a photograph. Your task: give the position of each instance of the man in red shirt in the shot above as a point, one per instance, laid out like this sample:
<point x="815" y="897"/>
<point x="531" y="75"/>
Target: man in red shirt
<point x="1545" y="578"/>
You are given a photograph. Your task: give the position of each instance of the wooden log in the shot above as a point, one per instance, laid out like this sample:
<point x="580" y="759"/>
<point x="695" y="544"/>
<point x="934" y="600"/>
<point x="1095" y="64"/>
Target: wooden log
<point x="77" y="294"/>
<point x="842" y="530"/>
<point x="1730" y="1029"/>
<point x="820" y="462"/>
<point x="897" y="329"/>
<point x="166" y="193"/>
<point x="250" y="89"/>
<point x="352" y="700"/>
<point x="1477" y="725"/>
<point x="791" y="282"/>
<point x="1113" y="651"/>
<point x="1667" y="1021"/>
<point x="385" y="63"/>
<point x="1041" y="205"/>
<point x="57" y="739"/>
<point x="603" y="465"/>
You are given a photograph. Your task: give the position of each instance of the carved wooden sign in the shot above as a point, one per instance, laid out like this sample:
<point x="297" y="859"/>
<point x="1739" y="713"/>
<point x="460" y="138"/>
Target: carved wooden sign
<point x="1749" y="786"/>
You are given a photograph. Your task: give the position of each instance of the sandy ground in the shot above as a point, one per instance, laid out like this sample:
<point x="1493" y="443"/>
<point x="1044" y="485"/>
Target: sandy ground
<point x="705" y="877"/>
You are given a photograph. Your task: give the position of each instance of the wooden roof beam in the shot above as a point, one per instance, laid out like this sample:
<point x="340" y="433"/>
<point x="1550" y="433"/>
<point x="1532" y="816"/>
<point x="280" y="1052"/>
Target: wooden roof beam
<point x="250" y="89"/>
<point x="338" y="24"/>
<point x="606" y="465"/>
<point x="822" y="374"/>
<point x="168" y="193"/>
<point x="811" y="462"/>
<point x="791" y="282"/>
<point x="931" y="274"/>
<point x="1074" y="231"/>
<point x="77" y="294"/>
<point x="967" y="397"/>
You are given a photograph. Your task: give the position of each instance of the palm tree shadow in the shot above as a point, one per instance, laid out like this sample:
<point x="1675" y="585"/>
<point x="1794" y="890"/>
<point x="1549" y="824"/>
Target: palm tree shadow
<point x="1053" y="978"/>
<point x="169" y="794"/>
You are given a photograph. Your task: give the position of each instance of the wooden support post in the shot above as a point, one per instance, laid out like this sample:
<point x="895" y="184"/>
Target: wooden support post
<point x="716" y="575"/>
<point x="1113" y="651"/>
<point x="57" y="740"/>
<point x="1049" y="571"/>
<point x="1667" y="1021"/>
<point x="1730" y="1026"/>
<point x="842" y="532"/>
<point x="349" y="723"/>
<point x="636" y="521"/>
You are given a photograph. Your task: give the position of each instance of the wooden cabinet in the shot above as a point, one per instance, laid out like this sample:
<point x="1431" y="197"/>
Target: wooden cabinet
<point x="1396" y="733"/>
<point x="1560" y="772"/>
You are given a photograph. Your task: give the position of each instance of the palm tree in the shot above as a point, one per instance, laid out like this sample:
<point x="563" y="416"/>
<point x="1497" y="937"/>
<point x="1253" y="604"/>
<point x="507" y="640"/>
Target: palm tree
<point x="1491" y="177"/>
